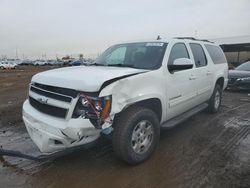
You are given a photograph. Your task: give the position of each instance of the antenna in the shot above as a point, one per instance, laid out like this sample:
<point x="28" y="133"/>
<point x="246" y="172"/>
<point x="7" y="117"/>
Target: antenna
<point x="195" y="33"/>
<point x="16" y="53"/>
<point x="158" y="37"/>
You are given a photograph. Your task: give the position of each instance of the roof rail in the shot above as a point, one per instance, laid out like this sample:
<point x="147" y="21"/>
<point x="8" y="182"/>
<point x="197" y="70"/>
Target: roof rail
<point x="192" y="38"/>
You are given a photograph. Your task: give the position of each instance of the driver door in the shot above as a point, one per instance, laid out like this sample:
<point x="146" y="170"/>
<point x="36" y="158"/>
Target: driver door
<point x="182" y="86"/>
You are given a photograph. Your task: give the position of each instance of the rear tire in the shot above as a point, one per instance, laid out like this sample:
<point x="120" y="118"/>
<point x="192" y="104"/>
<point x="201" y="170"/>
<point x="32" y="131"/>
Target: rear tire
<point x="136" y="134"/>
<point x="215" y="100"/>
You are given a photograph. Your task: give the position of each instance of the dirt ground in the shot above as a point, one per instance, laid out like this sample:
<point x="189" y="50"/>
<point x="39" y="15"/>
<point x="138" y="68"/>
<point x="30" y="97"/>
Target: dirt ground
<point x="205" y="151"/>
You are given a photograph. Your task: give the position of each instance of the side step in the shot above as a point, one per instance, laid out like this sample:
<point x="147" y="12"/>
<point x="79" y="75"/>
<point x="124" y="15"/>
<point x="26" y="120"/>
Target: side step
<point x="183" y="117"/>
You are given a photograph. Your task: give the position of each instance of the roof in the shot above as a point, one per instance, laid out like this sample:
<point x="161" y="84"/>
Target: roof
<point x="166" y="40"/>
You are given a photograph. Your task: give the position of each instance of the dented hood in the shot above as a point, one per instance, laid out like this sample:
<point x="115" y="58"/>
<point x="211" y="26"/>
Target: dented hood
<point x="83" y="78"/>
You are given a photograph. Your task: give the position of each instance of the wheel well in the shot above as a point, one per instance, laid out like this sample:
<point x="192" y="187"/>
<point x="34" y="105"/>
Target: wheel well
<point x="220" y="81"/>
<point x="153" y="104"/>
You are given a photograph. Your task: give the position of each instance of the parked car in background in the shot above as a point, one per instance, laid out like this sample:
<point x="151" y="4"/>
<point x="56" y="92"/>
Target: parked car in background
<point x="7" y="65"/>
<point x="40" y="62"/>
<point x="26" y="62"/>
<point x="1" y="65"/>
<point x="239" y="78"/>
<point x="233" y="65"/>
<point x="58" y="63"/>
<point x="12" y="65"/>
<point x="79" y="62"/>
<point x="51" y="62"/>
<point x="76" y="63"/>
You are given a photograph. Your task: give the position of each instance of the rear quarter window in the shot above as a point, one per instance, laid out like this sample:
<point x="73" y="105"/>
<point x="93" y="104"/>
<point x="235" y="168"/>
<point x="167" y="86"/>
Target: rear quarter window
<point x="216" y="54"/>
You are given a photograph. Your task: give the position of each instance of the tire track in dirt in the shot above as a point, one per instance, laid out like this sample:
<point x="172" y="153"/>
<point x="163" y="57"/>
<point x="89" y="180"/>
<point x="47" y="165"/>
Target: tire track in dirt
<point x="210" y="154"/>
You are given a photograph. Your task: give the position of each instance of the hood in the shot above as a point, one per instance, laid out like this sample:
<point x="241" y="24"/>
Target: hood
<point x="83" y="78"/>
<point x="238" y="74"/>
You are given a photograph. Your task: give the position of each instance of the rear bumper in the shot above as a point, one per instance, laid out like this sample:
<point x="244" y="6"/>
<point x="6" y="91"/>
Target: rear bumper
<point x="52" y="134"/>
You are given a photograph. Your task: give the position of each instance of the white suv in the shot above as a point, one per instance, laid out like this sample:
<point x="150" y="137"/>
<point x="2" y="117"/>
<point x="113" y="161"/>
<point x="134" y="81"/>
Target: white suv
<point x="130" y="92"/>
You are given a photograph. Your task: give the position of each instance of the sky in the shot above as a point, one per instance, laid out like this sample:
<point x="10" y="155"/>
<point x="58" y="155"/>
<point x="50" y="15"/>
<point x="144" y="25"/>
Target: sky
<point x="34" y="28"/>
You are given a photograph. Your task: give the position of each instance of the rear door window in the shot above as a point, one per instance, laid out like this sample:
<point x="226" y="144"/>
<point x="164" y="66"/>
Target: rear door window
<point x="199" y="55"/>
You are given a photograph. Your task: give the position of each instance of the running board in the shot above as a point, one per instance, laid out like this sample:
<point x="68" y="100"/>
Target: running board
<point x="183" y="117"/>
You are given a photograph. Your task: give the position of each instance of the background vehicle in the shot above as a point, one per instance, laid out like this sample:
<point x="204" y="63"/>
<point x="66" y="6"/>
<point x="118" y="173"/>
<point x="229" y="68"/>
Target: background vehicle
<point x="40" y="62"/>
<point x="239" y="78"/>
<point x="76" y="63"/>
<point x="130" y="92"/>
<point x="1" y="65"/>
<point x="233" y="65"/>
<point x="7" y="65"/>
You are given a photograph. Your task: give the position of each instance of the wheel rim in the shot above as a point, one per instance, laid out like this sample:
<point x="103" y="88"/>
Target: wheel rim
<point x="217" y="100"/>
<point x="142" y="136"/>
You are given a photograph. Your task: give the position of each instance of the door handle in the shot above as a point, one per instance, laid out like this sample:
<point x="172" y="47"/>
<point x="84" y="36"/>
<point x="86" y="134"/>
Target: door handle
<point x="192" y="77"/>
<point x="209" y="73"/>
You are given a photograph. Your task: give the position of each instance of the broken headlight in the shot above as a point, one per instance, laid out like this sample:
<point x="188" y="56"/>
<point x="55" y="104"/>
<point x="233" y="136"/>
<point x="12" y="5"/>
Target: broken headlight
<point x="93" y="108"/>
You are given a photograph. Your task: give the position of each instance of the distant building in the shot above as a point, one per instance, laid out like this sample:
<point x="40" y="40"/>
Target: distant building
<point x="236" y="49"/>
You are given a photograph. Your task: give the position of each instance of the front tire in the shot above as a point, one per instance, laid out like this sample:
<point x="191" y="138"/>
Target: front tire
<point x="136" y="134"/>
<point x="215" y="100"/>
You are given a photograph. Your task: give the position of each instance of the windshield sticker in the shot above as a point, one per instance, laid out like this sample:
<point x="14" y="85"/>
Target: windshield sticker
<point x="155" y="44"/>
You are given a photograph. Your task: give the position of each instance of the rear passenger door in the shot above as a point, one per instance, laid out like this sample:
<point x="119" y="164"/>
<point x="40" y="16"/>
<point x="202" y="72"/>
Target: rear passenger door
<point x="203" y="72"/>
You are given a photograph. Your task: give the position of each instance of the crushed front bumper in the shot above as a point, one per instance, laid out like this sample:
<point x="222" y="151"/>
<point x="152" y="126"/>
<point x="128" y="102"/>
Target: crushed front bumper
<point x="53" y="134"/>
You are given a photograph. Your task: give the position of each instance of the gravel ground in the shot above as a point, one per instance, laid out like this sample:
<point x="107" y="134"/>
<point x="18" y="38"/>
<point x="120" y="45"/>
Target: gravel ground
<point x="205" y="151"/>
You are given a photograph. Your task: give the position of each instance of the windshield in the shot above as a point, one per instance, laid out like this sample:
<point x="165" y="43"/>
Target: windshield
<point x="146" y="55"/>
<point x="244" y="66"/>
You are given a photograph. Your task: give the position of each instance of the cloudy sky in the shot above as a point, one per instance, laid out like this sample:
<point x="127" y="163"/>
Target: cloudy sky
<point x="36" y="27"/>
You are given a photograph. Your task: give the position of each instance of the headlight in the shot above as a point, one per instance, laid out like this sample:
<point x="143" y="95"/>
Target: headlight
<point x="245" y="79"/>
<point x="92" y="107"/>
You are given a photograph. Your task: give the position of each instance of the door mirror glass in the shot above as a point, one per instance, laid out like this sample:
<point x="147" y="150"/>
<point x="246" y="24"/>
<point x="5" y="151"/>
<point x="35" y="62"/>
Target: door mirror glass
<point x="181" y="64"/>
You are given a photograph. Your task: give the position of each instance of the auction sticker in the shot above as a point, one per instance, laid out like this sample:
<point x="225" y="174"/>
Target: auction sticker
<point x="155" y="44"/>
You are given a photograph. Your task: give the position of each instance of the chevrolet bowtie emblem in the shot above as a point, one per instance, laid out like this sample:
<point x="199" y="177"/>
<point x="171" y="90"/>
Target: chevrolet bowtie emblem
<point x="43" y="100"/>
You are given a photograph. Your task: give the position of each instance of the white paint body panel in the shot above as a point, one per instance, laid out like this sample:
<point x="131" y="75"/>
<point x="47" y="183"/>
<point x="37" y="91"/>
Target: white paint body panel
<point x="82" y="78"/>
<point x="177" y="92"/>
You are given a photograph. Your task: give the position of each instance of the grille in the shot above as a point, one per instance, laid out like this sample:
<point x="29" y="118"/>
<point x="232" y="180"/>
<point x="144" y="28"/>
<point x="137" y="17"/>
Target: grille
<point x="53" y="95"/>
<point x="64" y="91"/>
<point x="56" y="93"/>
<point x="48" y="109"/>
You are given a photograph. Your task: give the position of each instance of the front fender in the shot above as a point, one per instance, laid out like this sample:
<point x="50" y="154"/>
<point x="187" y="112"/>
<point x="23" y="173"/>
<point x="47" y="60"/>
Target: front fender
<point x="130" y="90"/>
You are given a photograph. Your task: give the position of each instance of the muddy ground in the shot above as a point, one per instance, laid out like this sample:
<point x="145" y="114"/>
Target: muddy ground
<point x="205" y="151"/>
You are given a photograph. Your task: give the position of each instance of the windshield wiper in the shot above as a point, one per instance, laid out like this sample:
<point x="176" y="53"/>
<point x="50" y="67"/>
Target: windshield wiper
<point x="120" y="65"/>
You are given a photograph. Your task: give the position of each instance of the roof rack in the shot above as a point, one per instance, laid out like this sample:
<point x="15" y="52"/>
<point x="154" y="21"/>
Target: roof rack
<point x="192" y="38"/>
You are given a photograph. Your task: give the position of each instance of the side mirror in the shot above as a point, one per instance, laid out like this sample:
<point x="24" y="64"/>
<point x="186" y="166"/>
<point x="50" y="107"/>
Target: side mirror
<point x="181" y="64"/>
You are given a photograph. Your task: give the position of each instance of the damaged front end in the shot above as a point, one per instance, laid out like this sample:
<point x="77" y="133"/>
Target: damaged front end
<point x="85" y="116"/>
<point x="96" y="109"/>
